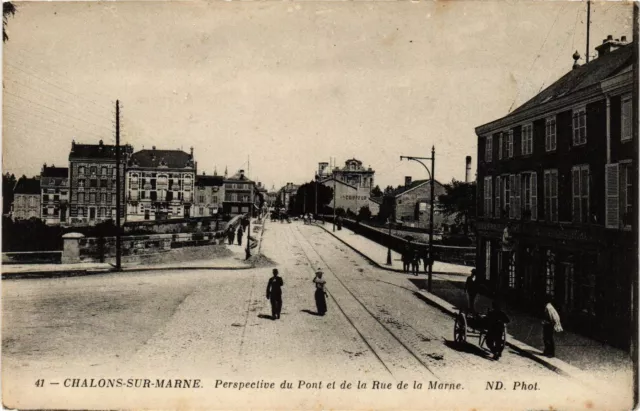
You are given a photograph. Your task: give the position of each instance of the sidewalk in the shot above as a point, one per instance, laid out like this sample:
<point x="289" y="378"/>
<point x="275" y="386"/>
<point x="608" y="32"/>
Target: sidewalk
<point x="576" y="355"/>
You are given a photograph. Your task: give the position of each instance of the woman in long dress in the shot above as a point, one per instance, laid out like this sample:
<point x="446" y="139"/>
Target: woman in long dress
<point x="321" y="301"/>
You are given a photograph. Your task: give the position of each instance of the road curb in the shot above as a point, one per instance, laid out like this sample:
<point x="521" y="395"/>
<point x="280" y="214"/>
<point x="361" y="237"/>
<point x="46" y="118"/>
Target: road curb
<point x="520" y="347"/>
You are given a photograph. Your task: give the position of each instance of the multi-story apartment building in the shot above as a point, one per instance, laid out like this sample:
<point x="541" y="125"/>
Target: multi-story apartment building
<point x="92" y="182"/>
<point x="239" y="192"/>
<point x="54" y="183"/>
<point x="557" y="197"/>
<point x="26" y="199"/>
<point x="160" y="185"/>
<point x="209" y="196"/>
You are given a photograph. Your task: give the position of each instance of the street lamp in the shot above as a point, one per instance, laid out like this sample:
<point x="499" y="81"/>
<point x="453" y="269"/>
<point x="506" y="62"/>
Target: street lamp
<point x="431" y="176"/>
<point x="316" y="187"/>
<point x="248" y="251"/>
<point x="334" y="203"/>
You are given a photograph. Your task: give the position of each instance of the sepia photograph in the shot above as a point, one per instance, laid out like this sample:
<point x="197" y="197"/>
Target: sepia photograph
<point x="310" y="205"/>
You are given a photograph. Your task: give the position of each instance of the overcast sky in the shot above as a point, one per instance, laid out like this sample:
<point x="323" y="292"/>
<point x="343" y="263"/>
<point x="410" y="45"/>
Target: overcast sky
<point x="288" y="84"/>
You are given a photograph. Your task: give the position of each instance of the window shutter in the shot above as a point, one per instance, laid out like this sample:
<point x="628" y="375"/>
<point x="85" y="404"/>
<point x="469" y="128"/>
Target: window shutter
<point x="518" y="195"/>
<point x="612" y="212"/>
<point x="576" y="127"/>
<point x="575" y="184"/>
<point x="547" y="196"/>
<point x="500" y="138"/>
<point x="498" y="205"/>
<point x="534" y="196"/>
<point x="511" y="196"/>
<point x="510" y="145"/>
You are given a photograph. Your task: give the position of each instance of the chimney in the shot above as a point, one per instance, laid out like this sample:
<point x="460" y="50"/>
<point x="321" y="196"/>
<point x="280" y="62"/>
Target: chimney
<point x="467" y="169"/>
<point x="153" y="147"/>
<point x="241" y="172"/>
<point x="191" y="151"/>
<point x="610" y="44"/>
<point x="407" y="181"/>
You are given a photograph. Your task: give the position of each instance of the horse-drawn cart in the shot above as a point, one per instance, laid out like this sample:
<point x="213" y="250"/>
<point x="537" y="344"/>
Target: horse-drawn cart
<point x="490" y="336"/>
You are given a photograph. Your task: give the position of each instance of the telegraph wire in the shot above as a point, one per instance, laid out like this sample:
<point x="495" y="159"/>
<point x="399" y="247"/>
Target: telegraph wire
<point x="54" y="110"/>
<point x="53" y="96"/>
<point x="538" y="54"/>
<point x="56" y="86"/>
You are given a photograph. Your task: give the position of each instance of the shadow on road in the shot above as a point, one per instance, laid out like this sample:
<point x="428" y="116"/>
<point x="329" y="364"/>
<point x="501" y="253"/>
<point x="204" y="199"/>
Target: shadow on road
<point x="467" y="348"/>
<point x="265" y="317"/>
<point x="310" y="312"/>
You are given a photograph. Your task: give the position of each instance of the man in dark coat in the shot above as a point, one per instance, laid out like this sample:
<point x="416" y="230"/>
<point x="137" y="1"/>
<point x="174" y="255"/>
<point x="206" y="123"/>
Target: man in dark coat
<point x="240" y="232"/>
<point x="471" y="287"/>
<point x="274" y="294"/>
<point x="231" y="234"/>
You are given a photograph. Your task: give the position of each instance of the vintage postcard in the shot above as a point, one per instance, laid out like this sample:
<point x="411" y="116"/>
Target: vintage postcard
<point x="304" y="205"/>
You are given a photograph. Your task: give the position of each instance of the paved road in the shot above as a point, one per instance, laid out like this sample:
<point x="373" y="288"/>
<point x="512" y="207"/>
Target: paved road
<point x="215" y="325"/>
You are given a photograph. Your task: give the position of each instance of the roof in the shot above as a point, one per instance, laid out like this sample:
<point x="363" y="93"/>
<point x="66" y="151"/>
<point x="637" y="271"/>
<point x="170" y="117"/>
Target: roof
<point x="414" y="184"/>
<point x="161" y="158"/>
<point x="27" y="186"/>
<point x="209" y="181"/>
<point x="98" y="151"/>
<point x="582" y="78"/>
<point x="240" y="175"/>
<point x="331" y="178"/>
<point x="377" y="200"/>
<point x="55" y="172"/>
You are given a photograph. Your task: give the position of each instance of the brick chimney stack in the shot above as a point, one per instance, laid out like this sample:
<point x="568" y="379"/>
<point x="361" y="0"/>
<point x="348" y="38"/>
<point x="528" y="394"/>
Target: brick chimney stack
<point x="467" y="172"/>
<point x="407" y="181"/>
<point x="610" y="44"/>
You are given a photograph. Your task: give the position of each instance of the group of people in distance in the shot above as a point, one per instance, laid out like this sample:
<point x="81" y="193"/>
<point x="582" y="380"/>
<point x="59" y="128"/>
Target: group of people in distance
<point x="496" y="319"/>
<point x="233" y="232"/>
<point x="274" y="293"/>
<point x="411" y="258"/>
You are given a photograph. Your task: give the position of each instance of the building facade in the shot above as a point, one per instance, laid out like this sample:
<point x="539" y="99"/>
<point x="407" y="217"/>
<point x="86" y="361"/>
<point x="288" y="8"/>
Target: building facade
<point x="352" y="183"/>
<point x="54" y="185"/>
<point x="92" y="182"/>
<point x="557" y="199"/>
<point x="287" y="195"/>
<point x="239" y="194"/>
<point x="412" y="203"/>
<point x="160" y="185"/>
<point x="209" y="196"/>
<point x="26" y="199"/>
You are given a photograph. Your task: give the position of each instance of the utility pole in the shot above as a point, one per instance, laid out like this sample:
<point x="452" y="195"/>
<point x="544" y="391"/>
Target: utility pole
<point x="588" y="27"/>
<point x="118" y="205"/>
<point x="431" y="176"/>
<point x="334" y="203"/>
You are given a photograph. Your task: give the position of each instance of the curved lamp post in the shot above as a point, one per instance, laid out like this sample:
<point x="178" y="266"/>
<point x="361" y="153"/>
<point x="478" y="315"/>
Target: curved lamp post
<point x="431" y="174"/>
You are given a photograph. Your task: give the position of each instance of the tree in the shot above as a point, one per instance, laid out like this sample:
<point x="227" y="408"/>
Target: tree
<point x="459" y="200"/>
<point x="305" y="198"/>
<point x="376" y="192"/>
<point x="364" y="213"/>
<point x="388" y="190"/>
<point x="8" y="183"/>
<point x="8" y="9"/>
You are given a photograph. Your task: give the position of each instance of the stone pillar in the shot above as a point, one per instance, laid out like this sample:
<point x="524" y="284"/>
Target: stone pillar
<point x="71" y="249"/>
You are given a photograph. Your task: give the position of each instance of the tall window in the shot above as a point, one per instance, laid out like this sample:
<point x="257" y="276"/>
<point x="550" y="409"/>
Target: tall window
<point x="628" y="195"/>
<point x="550" y="134"/>
<point x="103" y="171"/>
<point x="488" y="196"/>
<point x="580" y="185"/>
<point x="497" y="208"/>
<point x="550" y="273"/>
<point x="579" y="126"/>
<point x="530" y="194"/>
<point x="626" y="118"/>
<point x="527" y="139"/>
<point x="514" y="192"/>
<point x="500" y="146"/>
<point x="551" y="195"/>
<point x="94" y="170"/>
<point x="81" y="197"/>
<point x="506" y="194"/>
<point x="510" y="144"/>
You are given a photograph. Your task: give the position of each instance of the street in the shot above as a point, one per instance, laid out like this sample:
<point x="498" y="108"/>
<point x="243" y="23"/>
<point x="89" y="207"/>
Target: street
<point x="216" y="325"/>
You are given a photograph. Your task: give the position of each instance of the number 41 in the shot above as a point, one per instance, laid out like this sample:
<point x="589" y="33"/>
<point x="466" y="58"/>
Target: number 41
<point x="40" y="383"/>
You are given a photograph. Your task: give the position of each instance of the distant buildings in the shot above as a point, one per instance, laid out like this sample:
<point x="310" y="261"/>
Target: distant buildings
<point x="558" y="200"/>
<point x="54" y="183"/>
<point x="352" y="183"/>
<point x="412" y="203"/>
<point x="240" y="194"/>
<point x="160" y="185"/>
<point x="287" y="195"/>
<point x="209" y="196"/>
<point x="26" y="199"/>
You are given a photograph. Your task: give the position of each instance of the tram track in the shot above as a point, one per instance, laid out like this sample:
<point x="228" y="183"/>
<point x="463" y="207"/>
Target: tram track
<point x="393" y="366"/>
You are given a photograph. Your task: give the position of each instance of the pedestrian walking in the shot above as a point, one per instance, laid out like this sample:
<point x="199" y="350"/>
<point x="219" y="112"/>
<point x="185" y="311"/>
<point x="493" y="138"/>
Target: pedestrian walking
<point x="426" y="259"/>
<point x="496" y="320"/>
<point x="415" y="262"/>
<point x="274" y="294"/>
<point x="240" y="232"/>
<point x="231" y="234"/>
<point x="320" y="295"/>
<point x="550" y="324"/>
<point x="471" y="288"/>
<point x="405" y="259"/>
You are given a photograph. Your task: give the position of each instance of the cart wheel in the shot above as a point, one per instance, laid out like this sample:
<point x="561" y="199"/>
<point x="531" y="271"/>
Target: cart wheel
<point x="460" y="329"/>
